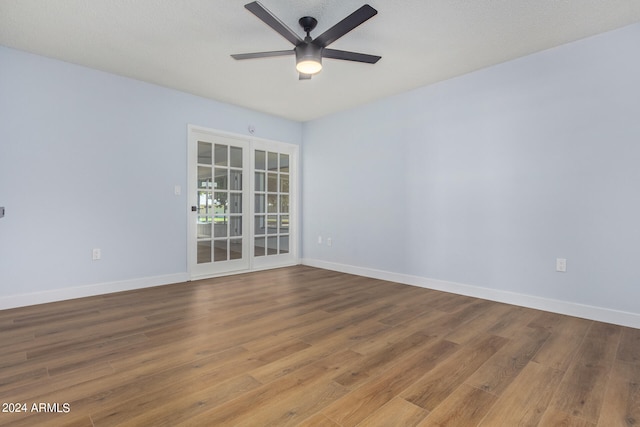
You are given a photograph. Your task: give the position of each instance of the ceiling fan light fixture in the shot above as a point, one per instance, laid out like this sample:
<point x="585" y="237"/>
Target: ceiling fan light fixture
<point x="308" y="58"/>
<point x="309" y="66"/>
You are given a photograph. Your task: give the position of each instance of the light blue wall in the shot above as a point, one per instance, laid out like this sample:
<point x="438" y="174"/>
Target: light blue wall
<point x="90" y="160"/>
<point x="487" y="178"/>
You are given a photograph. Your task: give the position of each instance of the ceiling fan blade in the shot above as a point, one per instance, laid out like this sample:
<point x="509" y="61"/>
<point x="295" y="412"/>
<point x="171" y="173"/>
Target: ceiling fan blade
<point x="273" y="21"/>
<point x="350" y="56"/>
<point x="263" y="54"/>
<point x="303" y="76"/>
<point x="347" y="24"/>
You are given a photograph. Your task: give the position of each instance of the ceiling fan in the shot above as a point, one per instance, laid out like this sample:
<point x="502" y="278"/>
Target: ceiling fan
<point x="309" y="52"/>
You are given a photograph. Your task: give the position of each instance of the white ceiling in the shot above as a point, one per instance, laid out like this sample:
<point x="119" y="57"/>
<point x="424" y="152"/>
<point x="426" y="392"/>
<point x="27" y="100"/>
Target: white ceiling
<point x="185" y="44"/>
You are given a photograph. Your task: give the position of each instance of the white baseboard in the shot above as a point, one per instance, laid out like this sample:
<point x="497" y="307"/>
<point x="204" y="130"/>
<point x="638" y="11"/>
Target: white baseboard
<point x="600" y="314"/>
<point x="22" y="300"/>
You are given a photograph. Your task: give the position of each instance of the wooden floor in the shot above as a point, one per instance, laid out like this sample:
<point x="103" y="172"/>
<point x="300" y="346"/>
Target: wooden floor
<point x="304" y="346"/>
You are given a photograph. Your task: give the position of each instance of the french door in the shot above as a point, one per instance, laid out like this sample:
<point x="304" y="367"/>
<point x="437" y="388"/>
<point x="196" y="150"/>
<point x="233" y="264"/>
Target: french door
<point x="272" y="208"/>
<point x="242" y="201"/>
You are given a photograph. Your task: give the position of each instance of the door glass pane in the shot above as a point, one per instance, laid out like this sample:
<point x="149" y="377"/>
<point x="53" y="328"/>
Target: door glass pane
<point x="284" y="204"/>
<point x="236" y="157"/>
<point x="260" y="160"/>
<point x="260" y="181"/>
<point x="272" y="245"/>
<point x="284" y="183"/>
<point x="220" y="226"/>
<point x="204" y="202"/>
<point x="272" y="224"/>
<point x="272" y="162"/>
<point x="220" y="182"/>
<point x="204" y="251"/>
<point x="260" y="200"/>
<point x="284" y="163"/>
<point x="235" y="226"/>
<point x="259" y="246"/>
<point x="236" y="202"/>
<point x="204" y="227"/>
<point x="259" y="227"/>
<point x="235" y="249"/>
<point x="221" y="204"/>
<point x="204" y="177"/>
<point x="220" y="250"/>
<point x="284" y="244"/>
<point x="236" y="180"/>
<point x="204" y="152"/>
<point x="284" y="223"/>
<point x="272" y="203"/>
<point x="221" y="155"/>
<point x="272" y="182"/>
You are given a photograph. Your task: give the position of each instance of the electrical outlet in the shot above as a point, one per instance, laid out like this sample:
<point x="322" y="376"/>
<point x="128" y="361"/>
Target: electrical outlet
<point x="561" y="265"/>
<point x="329" y="241"/>
<point x="97" y="254"/>
<point x="319" y="240"/>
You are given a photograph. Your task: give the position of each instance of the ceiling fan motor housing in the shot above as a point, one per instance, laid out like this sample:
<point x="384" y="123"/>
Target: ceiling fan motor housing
<point x="308" y="52"/>
<point x="308" y="55"/>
